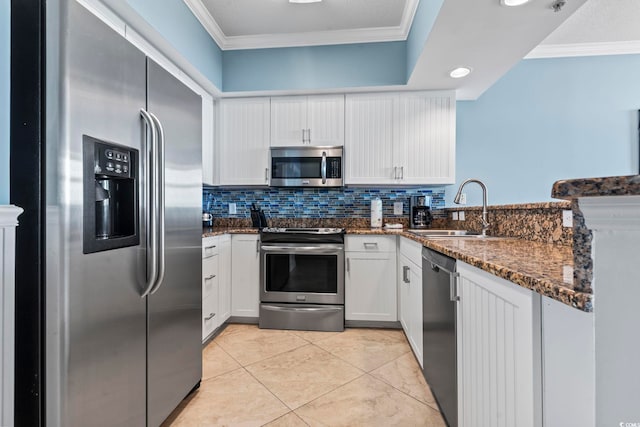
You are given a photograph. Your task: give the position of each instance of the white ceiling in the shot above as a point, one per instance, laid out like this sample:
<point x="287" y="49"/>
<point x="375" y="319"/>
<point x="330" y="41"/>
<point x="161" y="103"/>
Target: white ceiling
<point x="480" y="34"/>
<point x="248" y="24"/>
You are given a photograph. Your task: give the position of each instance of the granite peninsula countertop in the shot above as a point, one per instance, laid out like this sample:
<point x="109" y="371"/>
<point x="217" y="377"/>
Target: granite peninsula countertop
<point x="541" y="267"/>
<point x="595" y="187"/>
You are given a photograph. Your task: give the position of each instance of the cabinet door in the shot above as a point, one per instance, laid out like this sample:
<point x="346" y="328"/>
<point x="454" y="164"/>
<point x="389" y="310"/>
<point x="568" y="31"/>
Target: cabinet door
<point x="289" y="121"/>
<point x="426" y="138"/>
<point x="245" y="270"/>
<point x="244" y="141"/>
<point x="369" y="135"/>
<point x="208" y="142"/>
<point x="224" y="282"/>
<point x="495" y="351"/>
<point x="370" y="286"/>
<point x="415" y="311"/>
<point x="404" y="293"/>
<point x="325" y="115"/>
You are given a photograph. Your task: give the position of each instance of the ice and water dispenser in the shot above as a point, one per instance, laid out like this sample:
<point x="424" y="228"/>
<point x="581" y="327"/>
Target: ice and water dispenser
<point x="110" y="179"/>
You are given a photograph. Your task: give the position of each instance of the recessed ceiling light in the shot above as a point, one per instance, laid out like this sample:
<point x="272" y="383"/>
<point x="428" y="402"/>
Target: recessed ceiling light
<point x="460" y="72"/>
<point x="513" y="2"/>
<point x="304" y="1"/>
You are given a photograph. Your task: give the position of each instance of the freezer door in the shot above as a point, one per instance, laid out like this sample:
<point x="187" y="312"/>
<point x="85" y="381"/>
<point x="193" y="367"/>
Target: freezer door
<point x="174" y="310"/>
<point x="95" y="316"/>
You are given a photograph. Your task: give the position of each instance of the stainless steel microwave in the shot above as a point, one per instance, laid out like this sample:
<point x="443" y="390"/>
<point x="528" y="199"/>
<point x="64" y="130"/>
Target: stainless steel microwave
<point x="306" y="167"/>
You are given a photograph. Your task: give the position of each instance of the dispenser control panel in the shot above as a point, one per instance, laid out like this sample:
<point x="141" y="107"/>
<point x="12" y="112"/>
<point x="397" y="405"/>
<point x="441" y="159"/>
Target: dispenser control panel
<point x="112" y="161"/>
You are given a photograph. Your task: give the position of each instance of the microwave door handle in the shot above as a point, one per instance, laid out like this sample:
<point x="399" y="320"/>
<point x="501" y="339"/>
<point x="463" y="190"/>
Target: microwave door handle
<point x="324" y="167"/>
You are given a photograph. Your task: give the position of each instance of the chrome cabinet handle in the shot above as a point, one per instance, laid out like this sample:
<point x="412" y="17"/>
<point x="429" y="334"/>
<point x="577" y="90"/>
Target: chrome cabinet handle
<point x="258" y="246"/>
<point x="210" y="277"/>
<point x="308" y="136"/>
<point x="395" y="172"/>
<point x="209" y="247"/>
<point x="453" y="286"/>
<point x="303" y="138"/>
<point x="266" y="175"/>
<point x="210" y="316"/>
<point x="372" y="244"/>
<point x="152" y="196"/>
<point x="405" y="274"/>
<point x="401" y="172"/>
<point x="160" y="205"/>
<point x="323" y="168"/>
<point x="348" y="266"/>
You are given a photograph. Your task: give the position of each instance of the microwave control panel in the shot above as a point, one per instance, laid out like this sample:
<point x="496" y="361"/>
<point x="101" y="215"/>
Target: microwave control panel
<point x="334" y="167"/>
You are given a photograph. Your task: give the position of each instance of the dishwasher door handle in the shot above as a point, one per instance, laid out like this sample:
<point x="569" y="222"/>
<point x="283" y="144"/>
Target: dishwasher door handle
<point x="453" y="286"/>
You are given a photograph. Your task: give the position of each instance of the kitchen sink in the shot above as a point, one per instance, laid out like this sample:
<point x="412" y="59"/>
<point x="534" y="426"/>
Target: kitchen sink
<point x="443" y="233"/>
<point x="453" y="234"/>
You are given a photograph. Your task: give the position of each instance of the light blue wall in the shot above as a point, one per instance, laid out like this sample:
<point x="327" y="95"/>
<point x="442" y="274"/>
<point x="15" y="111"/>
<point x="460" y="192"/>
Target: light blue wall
<point x="5" y="51"/>
<point x="316" y="67"/>
<point x="549" y="119"/>
<point x="176" y="23"/>
<point x="423" y="21"/>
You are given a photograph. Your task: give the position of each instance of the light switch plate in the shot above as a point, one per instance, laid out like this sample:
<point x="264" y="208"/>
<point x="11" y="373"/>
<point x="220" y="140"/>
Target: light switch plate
<point x="461" y="215"/>
<point x="567" y="274"/>
<point x="567" y="218"/>
<point x="397" y="208"/>
<point x="454" y="216"/>
<point x="232" y="209"/>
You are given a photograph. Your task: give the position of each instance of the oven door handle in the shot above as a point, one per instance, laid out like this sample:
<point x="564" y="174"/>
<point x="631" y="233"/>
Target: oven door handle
<point x="324" y="249"/>
<point x="316" y="309"/>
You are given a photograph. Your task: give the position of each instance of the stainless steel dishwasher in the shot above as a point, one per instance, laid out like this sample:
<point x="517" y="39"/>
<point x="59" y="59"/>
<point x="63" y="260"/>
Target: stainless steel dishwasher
<point x="439" y="309"/>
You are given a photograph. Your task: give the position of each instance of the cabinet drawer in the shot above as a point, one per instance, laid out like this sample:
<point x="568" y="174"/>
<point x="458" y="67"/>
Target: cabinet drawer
<point x="209" y="274"/>
<point x="209" y="246"/>
<point x="370" y="243"/>
<point x="209" y="315"/>
<point x="412" y="250"/>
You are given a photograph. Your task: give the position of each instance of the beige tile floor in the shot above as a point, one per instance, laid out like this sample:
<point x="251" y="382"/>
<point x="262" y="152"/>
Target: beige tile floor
<point x="264" y="377"/>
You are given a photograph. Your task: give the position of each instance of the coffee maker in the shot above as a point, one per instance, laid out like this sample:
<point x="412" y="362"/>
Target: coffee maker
<point x="420" y="212"/>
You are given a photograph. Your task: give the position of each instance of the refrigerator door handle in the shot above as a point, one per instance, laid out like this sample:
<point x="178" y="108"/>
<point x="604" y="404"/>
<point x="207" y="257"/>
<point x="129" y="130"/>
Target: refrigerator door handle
<point x="160" y="205"/>
<point x="152" y="188"/>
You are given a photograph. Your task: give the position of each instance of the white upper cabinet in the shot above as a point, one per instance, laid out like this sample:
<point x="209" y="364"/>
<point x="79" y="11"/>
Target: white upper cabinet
<point x="426" y="138"/>
<point x="307" y="120"/>
<point x="370" y="130"/>
<point x="400" y="138"/>
<point x="244" y="141"/>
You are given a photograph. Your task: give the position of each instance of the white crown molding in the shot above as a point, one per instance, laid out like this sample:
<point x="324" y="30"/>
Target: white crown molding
<point x="585" y="49"/>
<point x="207" y="21"/>
<point x="9" y="215"/>
<point x="315" y="38"/>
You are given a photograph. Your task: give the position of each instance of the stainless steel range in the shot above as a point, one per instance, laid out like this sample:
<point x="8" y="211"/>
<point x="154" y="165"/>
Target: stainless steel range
<point x="302" y="279"/>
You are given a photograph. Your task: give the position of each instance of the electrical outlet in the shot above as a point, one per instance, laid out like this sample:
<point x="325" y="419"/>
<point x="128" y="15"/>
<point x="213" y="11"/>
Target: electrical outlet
<point x="463" y="199"/>
<point x="567" y="218"/>
<point x="567" y="273"/>
<point x="461" y="215"/>
<point x="454" y="216"/>
<point x="397" y="208"/>
<point x="232" y="209"/>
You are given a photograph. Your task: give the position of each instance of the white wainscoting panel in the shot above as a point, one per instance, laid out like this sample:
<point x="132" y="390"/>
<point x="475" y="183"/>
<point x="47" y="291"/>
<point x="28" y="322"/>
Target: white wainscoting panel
<point x="8" y="223"/>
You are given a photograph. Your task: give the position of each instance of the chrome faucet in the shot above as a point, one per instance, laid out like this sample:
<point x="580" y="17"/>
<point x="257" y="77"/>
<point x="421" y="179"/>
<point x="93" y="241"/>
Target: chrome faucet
<point x="456" y="200"/>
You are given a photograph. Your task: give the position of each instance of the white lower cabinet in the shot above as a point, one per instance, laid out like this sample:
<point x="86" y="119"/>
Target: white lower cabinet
<point x="224" y="281"/>
<point x="210" y="286"/>
<point x="498" y="352"/>
<point x="410" y="294"/>
<point x="245" y="271"/>
<point x="370" y="278"/>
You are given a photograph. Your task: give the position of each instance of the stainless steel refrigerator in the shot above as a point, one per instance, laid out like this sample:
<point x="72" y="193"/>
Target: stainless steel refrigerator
<point x="123" y="232"/>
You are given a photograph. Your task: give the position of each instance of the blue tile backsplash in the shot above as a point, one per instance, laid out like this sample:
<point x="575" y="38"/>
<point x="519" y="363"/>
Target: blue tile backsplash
<point x="314" y="202"/>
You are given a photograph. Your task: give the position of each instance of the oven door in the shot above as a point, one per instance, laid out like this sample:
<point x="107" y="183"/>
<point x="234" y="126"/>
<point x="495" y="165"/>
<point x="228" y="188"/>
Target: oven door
<point x="302" y="273"/>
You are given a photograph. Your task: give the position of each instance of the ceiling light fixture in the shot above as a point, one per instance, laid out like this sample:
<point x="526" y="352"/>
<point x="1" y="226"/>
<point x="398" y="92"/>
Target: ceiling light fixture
<point x="460" y="72"/>
<point x="513" y="2"/>
<point x="304" y="1"/>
